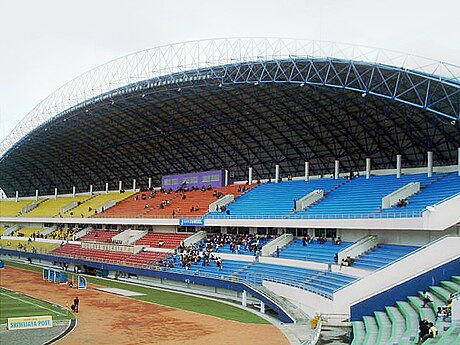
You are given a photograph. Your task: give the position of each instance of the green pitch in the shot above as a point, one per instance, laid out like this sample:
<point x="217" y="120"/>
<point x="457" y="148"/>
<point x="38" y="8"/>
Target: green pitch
<point x="172" y="299"/>
<point x="15" y="304"/>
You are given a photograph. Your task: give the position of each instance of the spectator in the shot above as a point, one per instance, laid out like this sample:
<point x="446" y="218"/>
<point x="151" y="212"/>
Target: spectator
<point x="427" y="298"/>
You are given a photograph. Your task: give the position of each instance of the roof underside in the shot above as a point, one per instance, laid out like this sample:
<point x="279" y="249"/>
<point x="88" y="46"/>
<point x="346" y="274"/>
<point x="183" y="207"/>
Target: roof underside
<point x="233" y="126"/>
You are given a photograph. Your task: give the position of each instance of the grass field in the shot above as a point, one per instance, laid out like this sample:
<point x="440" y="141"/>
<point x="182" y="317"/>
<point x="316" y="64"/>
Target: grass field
<point x="171" y="299"/>
<point x="15" y="304"/>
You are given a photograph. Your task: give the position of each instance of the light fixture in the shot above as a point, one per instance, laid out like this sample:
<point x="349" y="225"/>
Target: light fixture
<point x="143" y="95"/>
<point x="220" y="85"/>
<point x="179" y="90"/>
<point x="256" y="83"/>
<point x="364" y="94"/>
<point x="302" y="84"/>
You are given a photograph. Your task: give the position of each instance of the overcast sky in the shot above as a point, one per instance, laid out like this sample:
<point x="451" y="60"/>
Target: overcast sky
<point x="44" y="44"/>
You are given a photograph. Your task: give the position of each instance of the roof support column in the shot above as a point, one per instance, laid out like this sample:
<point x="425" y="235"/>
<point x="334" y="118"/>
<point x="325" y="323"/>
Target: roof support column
<point x="430" y="164"/>
<point x="36" y="194"/>
<point x="368" y="168"/>
<point x="74" y="191"/>
<point x="336" y="169"/>
<point x="17" y="196"/>
<point x="55" y="193"/>
<point x="398" y="165"/>
<point x="458" y="166"/>
<point x="106" y="188"/>
<point x="250" y="176"/>
<point x="277" y="173"/>
<point x="226" y="178"/>
<point x="90" y="189"/>
<point x="120" y="185"/>
<point x="150" y="182"/>
<point x="134" y="185"/>
<point x="307" y="171"/>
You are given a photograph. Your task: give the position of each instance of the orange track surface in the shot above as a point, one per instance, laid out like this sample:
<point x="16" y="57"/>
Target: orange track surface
<point x="110" y="319"/>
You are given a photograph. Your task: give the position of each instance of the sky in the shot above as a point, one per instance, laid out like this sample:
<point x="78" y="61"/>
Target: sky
<point x="44" y="44"/>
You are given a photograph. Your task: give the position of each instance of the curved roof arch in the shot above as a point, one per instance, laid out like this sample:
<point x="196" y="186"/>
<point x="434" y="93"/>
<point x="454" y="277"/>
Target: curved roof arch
<point x="180" y="58"/>
<point x="231" y="104"/>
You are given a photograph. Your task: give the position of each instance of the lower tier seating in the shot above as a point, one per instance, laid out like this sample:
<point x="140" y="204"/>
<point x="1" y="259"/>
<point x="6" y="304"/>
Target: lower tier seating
<point x="320" y="282"/>
<point x="164" y="240"/>
<point x="100" y="235"/>
<point x="382" y="255"/>
<point x="399" y="324"/>
<point x="76" y="251"/>
<point x="313" y="251"/>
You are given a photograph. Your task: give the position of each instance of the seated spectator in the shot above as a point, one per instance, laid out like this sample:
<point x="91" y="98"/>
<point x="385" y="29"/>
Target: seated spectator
<point x="338" y="241"/>
<point x="347" y="261"/>
<point x="432" y="333"/>
<point x="161" y="243"/>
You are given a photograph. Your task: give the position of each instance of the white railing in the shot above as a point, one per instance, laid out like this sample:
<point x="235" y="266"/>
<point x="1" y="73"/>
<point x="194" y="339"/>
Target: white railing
<point x="358" y="248"/>
<point x="270" y="248"/>
<point x="309" y="199"/>
<point x="224" y="201"/>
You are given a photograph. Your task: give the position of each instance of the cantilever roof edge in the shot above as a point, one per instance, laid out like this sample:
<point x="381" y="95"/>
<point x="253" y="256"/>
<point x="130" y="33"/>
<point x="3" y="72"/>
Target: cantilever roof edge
<point x="201" y="54"/>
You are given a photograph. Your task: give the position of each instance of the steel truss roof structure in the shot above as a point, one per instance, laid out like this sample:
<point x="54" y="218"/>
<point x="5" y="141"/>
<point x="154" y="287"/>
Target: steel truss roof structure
<point x="231" y="104"/>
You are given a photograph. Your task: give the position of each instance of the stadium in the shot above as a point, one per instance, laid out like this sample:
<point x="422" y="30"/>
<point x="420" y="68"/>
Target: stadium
<point x="315" y="185"/>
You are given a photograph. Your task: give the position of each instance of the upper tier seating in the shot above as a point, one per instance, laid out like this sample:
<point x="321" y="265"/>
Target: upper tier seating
<point x="76" y="251"/>
<point x="320" y="282"/>
<point x="400" y="324"/>
<point x="313" y="251"/>
<point x="11" y="208"/>
<point x="185" y="204"/>
<point x="89" y="207"/>
<point x="134" y="205"/>
<point x="169" y="240"/>
<point x="361" y="196"/>
<point x="275" y="199"/>
<point x="441" y="187"/>
<point x="53" y="207"/>
<point x="100" y="235"/>
<point x="25" y="245"/>
<point x="150" y="204"/>
<point x="382" y="255"/>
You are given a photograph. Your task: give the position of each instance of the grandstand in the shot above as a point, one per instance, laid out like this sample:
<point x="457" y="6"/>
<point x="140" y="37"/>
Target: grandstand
<point x="300" y="141"/>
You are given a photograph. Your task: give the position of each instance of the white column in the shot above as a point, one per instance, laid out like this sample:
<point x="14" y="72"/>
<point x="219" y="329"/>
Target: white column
<point x="307" y="171"/>
<point x="244" y="298"/>
<point x="226" y="178"/>
<point x="398" y="166"/>
<point x="17" y="195"/>
<point x="368" y="168"/>
<point x="277" y="173"/>
<point x="336" y="169"/>
<point x="74" y="191"/>
<point x="36" y="194"/>
<point x="90" y="189"/>
<point x="262" y="307"/>
<point x="150" y="182"/>
<point x="430" y="164"/>
<point x="120" y="184"/>
<point x="458" y="167"/>
<point x="134" y="185"/>
<point x="250" y="176"/>
<point x="55" y="193"/>
<point x="106" y="188"/>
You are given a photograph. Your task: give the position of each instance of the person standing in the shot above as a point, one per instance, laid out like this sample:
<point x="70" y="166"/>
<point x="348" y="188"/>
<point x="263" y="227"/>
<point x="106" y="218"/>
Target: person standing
<point x="76" y="302"/>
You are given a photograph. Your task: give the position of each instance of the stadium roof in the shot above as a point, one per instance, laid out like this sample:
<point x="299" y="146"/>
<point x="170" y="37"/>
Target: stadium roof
<point x="231" y="104"/>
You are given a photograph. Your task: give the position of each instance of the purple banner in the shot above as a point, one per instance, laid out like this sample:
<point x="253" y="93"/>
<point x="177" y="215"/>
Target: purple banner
<point x="205" y="179"/>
